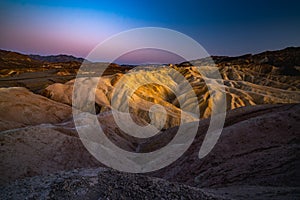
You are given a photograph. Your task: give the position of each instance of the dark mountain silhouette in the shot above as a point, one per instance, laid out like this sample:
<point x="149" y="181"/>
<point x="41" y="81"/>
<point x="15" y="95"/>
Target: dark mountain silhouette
<point x="57" y="58"/>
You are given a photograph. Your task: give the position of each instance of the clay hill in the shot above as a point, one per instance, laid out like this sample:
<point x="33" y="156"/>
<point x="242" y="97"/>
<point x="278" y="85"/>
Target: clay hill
<point x="255" y="157"/>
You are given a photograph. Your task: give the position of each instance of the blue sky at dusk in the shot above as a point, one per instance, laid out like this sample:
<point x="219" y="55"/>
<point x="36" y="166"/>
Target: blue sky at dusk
<point x="76" y="27"/>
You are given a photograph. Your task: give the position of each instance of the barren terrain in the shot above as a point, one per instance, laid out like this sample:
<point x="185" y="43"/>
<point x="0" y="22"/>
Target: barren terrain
<point x="255" y="157"/>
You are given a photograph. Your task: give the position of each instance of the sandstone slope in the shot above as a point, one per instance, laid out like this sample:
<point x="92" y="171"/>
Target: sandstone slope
<point x="20" y="107"/>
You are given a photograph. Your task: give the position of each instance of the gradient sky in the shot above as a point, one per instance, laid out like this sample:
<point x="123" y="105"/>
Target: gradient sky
<point x="76" y="27"/>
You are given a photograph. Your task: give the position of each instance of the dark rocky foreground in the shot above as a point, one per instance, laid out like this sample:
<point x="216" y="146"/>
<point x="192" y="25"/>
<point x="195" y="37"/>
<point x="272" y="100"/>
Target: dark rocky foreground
<point x="100" y="183"/>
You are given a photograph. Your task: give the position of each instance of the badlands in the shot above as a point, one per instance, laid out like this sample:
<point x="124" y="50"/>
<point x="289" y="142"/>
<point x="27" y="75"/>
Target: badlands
<point x="256" y="156"/>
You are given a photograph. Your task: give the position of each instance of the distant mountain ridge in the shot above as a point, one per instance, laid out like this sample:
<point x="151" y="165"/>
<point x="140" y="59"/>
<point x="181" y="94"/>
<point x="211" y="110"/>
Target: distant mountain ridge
<point x="287" y="57"/>
<point x="56" y="58"/>
<point x="287" y="61"/>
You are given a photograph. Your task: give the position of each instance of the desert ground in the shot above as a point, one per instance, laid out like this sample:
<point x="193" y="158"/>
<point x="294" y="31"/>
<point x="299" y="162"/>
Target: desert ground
<point x="256" y="156"/>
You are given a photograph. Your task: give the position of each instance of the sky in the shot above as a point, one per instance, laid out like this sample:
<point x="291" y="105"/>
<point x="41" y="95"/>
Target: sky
<point x="75" y="27"/>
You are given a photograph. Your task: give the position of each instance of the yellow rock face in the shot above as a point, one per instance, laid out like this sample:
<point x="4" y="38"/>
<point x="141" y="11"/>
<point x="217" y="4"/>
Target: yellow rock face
<point x="165" y="86"/>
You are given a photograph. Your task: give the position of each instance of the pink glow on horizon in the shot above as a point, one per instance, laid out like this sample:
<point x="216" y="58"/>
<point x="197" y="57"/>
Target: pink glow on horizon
<point x="149" y="56"/>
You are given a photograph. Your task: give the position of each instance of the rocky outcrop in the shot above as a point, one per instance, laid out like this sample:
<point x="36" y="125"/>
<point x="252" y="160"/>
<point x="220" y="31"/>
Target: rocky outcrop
<point x="243" y="87"/>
